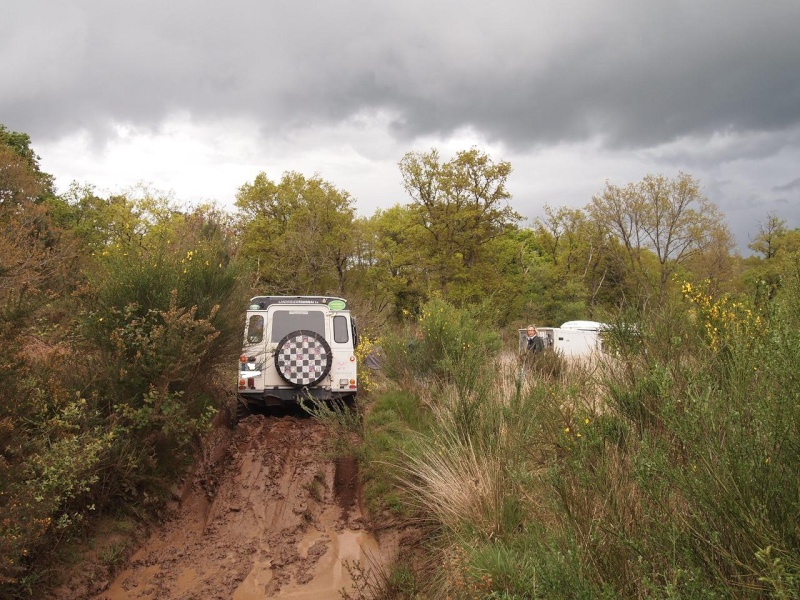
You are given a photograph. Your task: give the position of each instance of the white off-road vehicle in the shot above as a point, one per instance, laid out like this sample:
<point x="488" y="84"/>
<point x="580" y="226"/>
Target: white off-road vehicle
<point x="297" y="347"/>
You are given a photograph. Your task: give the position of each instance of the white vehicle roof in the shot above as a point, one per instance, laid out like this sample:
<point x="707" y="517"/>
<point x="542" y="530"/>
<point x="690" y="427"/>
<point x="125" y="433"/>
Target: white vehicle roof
<point x="332" y="302"/>
<point x="585" y="325"/>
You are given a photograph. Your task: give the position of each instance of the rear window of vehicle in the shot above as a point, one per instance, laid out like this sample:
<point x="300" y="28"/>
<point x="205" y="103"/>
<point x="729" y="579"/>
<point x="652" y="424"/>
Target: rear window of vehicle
<point x="255" y="329"/>
<point x="285" y="322"/>
<point x="340" y="332"/>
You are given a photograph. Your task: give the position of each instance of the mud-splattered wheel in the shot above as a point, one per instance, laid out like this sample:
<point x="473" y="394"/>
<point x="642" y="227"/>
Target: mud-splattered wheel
<point x="303" y="358"/>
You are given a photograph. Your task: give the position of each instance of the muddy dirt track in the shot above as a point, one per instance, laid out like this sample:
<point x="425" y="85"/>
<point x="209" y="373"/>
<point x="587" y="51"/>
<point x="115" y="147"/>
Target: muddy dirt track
<point x="265" y="515"/>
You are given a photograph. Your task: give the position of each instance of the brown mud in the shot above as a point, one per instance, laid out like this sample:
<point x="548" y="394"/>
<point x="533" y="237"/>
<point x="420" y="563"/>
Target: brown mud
<point x="266" y="515"/>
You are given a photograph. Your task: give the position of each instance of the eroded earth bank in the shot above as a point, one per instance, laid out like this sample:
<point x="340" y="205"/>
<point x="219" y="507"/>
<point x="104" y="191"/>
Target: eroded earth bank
<point x="267" y="514"/>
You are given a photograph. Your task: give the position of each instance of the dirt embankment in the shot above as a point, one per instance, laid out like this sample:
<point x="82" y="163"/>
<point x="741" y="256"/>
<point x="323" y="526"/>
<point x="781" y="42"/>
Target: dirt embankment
<point x="266" y="515"/>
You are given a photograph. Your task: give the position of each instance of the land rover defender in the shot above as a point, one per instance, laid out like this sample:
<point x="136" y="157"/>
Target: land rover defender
<point x="296" y="347"/>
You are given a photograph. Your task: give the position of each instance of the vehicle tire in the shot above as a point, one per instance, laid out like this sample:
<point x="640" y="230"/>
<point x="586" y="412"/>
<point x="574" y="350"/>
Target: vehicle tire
<point x="303" y="358"/>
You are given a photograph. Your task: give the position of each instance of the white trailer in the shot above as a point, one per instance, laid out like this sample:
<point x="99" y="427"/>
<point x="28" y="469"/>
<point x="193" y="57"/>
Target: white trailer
<point x="573" y="338"/>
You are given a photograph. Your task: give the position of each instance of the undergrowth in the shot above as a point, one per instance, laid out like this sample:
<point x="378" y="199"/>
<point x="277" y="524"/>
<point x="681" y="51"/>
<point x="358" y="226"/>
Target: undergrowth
<point x="666" y="469"/>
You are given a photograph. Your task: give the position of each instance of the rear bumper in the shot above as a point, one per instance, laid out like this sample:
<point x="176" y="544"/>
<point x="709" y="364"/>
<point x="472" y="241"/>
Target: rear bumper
<point x="291" y="396"/>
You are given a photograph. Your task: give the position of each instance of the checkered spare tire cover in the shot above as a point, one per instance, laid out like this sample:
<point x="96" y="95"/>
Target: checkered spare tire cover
<point x="303" y="358"/>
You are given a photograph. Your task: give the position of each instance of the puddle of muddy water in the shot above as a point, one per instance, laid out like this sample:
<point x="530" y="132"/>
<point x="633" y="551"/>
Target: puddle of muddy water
<point x="254" y="586"/>
<point x="330" y="574"/>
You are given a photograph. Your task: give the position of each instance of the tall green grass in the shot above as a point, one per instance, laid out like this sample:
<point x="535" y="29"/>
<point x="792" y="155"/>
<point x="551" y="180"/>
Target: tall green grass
<point x="669" y="469"/>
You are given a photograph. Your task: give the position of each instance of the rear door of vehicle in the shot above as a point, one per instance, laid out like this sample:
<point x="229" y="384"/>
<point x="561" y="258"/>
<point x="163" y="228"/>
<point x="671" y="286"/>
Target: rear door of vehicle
<point x="343" y="370"/>
<point x="283" y="320"/>
<point x="254" y="353"/>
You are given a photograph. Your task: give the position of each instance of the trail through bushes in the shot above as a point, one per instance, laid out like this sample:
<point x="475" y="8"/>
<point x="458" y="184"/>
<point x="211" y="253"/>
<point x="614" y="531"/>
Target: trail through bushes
<point x="265" y="515"/>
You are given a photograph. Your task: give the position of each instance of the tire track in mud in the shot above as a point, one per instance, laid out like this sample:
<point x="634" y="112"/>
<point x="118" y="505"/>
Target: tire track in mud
<point x="266" y="516"/>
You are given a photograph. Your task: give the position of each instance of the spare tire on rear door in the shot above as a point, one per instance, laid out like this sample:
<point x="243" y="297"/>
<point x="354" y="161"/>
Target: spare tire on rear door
<point x="303" y="358"/>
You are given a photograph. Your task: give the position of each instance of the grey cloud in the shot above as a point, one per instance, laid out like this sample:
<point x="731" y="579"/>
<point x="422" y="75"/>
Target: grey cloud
<point x="635" y="74"/>
<point x="794" y="184"/>
<point x="709" y="88"/>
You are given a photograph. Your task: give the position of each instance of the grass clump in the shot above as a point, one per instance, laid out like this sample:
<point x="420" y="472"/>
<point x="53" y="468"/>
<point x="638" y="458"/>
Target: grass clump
<point x="389" y="423"/>
<point x="342" y="420"/>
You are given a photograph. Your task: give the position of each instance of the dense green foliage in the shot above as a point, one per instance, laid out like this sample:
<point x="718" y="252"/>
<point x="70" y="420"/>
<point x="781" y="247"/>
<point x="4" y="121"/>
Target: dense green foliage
<point x="671" y="471"/>
<point x="667" y="469"/>
<point x="115" y="314"/>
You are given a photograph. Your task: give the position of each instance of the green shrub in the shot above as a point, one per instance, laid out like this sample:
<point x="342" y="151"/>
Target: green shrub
<point x="447" y="344"/>
<point x="675" y="477"/>
<point x="688" y="480"/>
<point x="109" y="395"/>
<point x="47" y="492"/>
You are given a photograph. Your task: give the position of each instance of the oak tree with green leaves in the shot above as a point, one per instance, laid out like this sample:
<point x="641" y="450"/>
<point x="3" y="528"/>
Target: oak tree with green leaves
<point x="463" y="206"/>
<point x="298" y="233"/>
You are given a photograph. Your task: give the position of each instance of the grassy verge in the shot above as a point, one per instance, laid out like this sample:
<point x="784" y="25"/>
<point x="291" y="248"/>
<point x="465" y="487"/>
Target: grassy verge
<point x="667" y="470"/>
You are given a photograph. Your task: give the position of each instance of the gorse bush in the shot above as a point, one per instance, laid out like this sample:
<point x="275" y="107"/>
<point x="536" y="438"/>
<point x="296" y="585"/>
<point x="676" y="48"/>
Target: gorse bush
<point x="48" y="494"/>
<point x="700" y="467"/>
<point x="163" y="313"/>
<point x="112" y="406"/>
<point x="161" y="349"/>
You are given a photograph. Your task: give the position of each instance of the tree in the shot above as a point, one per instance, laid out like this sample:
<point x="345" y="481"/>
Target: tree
<point x="660" y="223"/>
<point x="581" y="254"/>
<point x="776" y="249"/>
<point x="463" y="206"/>
<point x="298" y="234"/>
<point x="28" y="242"/>
<point x="389" y="270"/>
<point x="716" y="263"/>
<point x="767" y="242"/>
<point x="20" y="174"/>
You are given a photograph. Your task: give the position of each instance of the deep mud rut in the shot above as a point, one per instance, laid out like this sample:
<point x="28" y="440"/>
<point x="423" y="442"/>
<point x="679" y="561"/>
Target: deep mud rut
<point x="266" y="515"/>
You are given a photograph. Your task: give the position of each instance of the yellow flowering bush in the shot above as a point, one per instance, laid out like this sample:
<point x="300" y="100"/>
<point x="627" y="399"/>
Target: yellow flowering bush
<point x="724" y="320"/>
<point x="365" y="347"/>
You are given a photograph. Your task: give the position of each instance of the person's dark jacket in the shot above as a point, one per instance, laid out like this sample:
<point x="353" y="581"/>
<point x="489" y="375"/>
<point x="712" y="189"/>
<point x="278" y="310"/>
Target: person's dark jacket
<point x="535" y="344"/>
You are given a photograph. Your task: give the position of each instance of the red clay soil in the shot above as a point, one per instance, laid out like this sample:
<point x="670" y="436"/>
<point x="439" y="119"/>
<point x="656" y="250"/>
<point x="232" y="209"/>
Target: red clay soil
<point x="266" y="515"/>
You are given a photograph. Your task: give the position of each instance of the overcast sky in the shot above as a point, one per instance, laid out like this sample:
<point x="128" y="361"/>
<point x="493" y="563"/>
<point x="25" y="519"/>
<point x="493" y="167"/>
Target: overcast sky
<point x="196" y="97"/>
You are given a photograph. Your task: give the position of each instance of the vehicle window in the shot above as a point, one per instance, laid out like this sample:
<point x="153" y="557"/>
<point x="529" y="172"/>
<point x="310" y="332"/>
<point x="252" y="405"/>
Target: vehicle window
<point x="255" y="329"/>
<point x="287" y="321"/>
<point x="340" y="334"/>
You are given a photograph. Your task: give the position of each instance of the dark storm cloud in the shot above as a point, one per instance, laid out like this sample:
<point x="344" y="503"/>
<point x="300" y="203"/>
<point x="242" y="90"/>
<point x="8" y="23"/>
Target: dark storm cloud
<point x="794" y="184"/>
<point x="634" y="74"/>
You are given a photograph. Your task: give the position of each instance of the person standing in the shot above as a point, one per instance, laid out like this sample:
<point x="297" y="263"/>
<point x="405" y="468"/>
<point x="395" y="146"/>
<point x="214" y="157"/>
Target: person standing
<point x="535" y="343"/>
